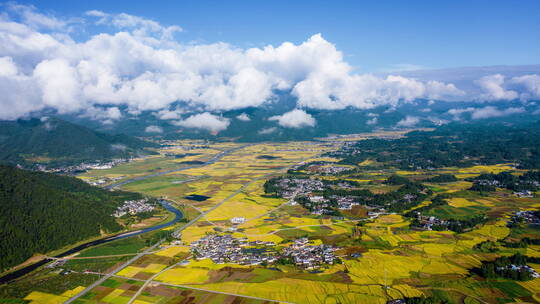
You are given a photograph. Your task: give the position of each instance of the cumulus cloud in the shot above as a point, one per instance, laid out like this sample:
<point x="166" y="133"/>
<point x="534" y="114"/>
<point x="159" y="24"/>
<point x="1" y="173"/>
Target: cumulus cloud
<point x="265" y="131"/>
<point x="408" y="121"/>
<point x="456" y="113"/>
<point x="484" y="112"/>
<point x="489" y="112"/>
<point x="105" y="115"/>
<point x="167" y="114"/>
<point x="531" y="85"/>
<point x="138" y="65"/>
<point x="372" y="121"/>
<point x="243" y="117"/>
<point x="153" y="129"/>
<point x="205" y="121"/>
<point x="492" y="86"/>
<point x="294" y="119"/>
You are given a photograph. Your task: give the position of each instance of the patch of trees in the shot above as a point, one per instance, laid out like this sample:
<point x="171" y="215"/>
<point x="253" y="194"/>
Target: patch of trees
<point x="451" y="145"/>
<point x="43" y="212"/>
<point x="489" y="181"/>
<point x="463" y="225"/>
<point x="165" y="235"/>
<point x="396" y="180"/>
<point x="486" y="247"/>
<point x="271" y="186"/>
<point x="437" y="201"/>
<point x="512" y="267"/>
<point x="523" y="243"/>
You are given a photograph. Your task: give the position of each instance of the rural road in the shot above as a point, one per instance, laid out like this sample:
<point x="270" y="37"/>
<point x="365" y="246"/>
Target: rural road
<point x="194" y="220"/>
<point x="149" y="250"/>
<point x="105" y="277"/>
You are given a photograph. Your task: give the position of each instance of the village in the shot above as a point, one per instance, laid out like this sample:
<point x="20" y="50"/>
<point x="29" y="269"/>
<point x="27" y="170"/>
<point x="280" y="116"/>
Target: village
<point x="528" y="217"/>
<point x="134" y="207"/>
<point x="83" y="167"/>
<point x="228" y="249"/>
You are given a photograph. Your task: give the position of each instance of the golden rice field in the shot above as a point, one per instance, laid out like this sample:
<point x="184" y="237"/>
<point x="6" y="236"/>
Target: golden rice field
<point x="395" y="261"/>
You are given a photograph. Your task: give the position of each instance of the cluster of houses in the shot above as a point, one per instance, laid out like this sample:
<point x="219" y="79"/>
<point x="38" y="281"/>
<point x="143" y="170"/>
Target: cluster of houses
<point x="227" y="249"/>
<point x="524" y="193"/>
<point x="346" y="202"/>
<point x="104" y="180"/>
<point x="427" y="222"/>
<point x="519" y="268"/>
<point x="529" y="217"/>
<point x="309" y="256"/>
<point x="291" y="187"/>
<point x="327" y="169"/>
<point x="487" y="182"/>
<point x="134" y="207"/>
<point x="83" y="167"/>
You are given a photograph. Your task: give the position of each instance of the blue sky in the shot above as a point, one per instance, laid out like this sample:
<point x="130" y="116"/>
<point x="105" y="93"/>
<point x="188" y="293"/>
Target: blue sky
<point x="374" y="36"/>
<point x="99" y="58"/>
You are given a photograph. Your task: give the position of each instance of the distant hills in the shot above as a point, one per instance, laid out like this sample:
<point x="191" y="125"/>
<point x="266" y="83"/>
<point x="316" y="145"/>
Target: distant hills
<point x="60" y="142"/>
<point x="254" y="124"/>
<point x="43" y="212"/>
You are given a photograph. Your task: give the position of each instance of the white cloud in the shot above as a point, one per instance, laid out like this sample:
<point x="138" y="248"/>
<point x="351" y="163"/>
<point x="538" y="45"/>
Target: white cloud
<point x="531" y="84"/>
<point x="205" y="121"/>
<point x="31" y="17"/>
<point x="492" y="86"/>
<point x="140" y="26"/>
<point x="372" y="121"/>
<point x="59" y="84"/>
<point x="408" y="121"/>
<point x="167" y="114"/>
<point x="265" y="131"/>
<point x="243" y="117"/>
<point x="104" y="114"/>
<point x="456" y="113"/>
<point x="489" y="112"/>
<point x="153" y="129"/>
<point x="294" y="119"/>
<point x="7" y="67"/>
<point x="139" y="66"/>
<point x="484" y="112"/>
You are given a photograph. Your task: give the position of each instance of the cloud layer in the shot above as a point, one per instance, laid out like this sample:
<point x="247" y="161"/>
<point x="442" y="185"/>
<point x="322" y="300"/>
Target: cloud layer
<point x="294" y="119"/>
<point x="138" y="65"/>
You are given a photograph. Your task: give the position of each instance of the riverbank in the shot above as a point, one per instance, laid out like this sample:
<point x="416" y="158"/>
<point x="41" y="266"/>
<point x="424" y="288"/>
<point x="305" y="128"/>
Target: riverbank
<point x="21" y="271"/>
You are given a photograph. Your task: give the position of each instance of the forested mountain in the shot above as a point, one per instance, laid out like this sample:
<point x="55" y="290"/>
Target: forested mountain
<point x="61" y="142"/>
<point x="42" y="212"/>
<point x="459" y="145"/>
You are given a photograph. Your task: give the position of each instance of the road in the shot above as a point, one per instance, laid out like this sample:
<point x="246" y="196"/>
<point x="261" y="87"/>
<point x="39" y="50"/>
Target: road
<point x="149" y="250"/>
<point x="195" y="288"/>
<point x="110" y="274"/>
<point x="180" y="229"/>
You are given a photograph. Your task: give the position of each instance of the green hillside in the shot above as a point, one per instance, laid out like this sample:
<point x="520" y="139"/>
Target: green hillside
<point x="60" y="142"/>
<point x="42" y="212"/>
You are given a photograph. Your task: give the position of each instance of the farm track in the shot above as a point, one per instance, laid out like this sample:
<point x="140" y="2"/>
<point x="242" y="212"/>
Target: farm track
<point x="202" y="216"/>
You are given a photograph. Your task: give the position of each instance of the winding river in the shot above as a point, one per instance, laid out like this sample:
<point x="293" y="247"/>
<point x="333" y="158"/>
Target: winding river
<point x="22" y="271"/>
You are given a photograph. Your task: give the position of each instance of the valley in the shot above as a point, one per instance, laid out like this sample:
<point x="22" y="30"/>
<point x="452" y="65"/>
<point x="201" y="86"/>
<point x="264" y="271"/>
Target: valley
<point x="377" y="252"/>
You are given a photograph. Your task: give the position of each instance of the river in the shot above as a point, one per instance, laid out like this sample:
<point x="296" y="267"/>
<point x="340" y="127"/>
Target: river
<point x="22" y="271"/>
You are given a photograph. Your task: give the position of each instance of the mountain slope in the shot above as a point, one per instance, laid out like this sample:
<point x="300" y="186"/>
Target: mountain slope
<point x="64" y="142"/>
<point x="42" y="212"/>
